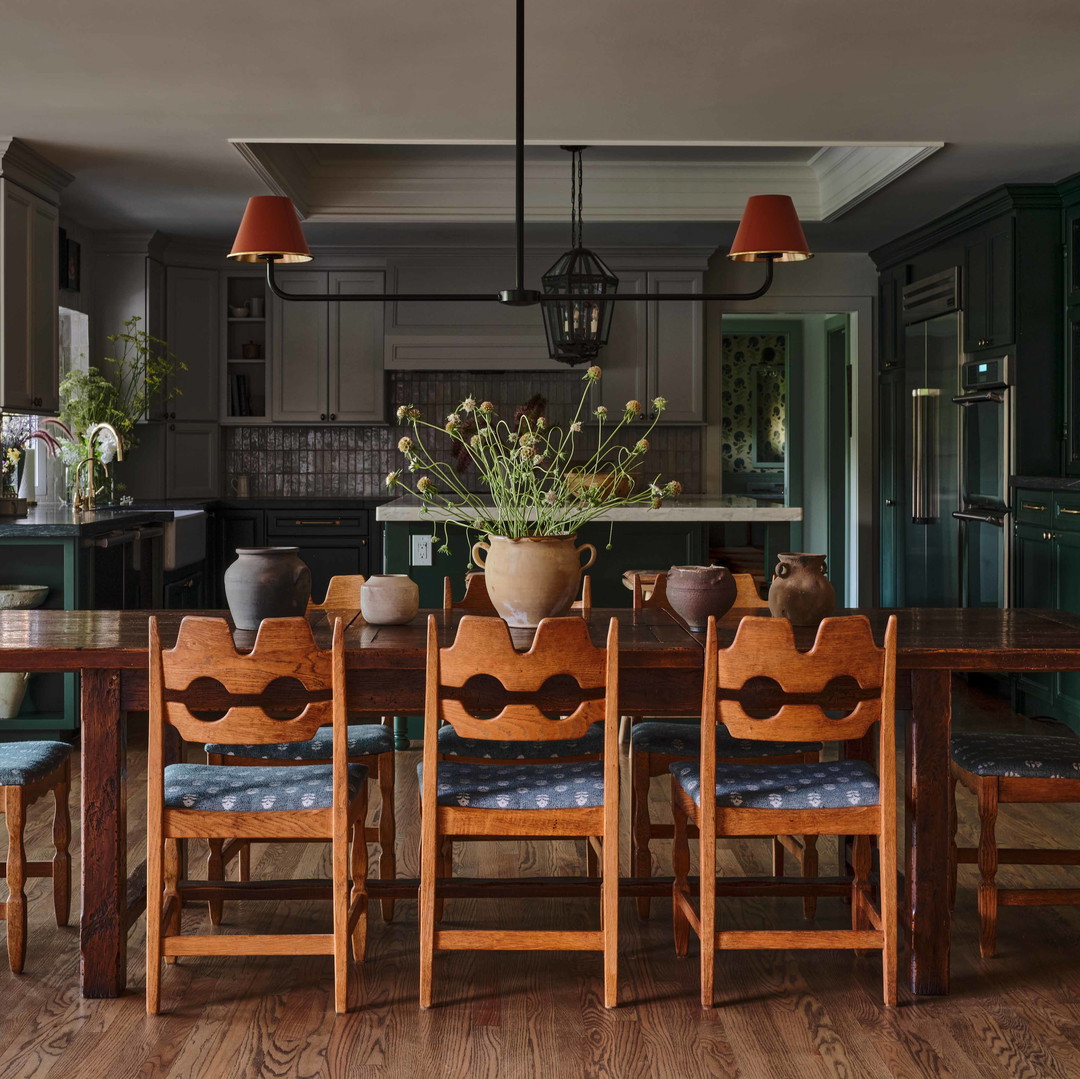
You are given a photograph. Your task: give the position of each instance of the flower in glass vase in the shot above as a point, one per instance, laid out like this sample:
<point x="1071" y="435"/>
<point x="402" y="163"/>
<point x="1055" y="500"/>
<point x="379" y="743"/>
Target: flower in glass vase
<point x="543" y="483"/>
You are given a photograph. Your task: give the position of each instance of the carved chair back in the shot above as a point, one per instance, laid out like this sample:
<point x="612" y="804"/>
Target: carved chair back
<point x="342" y="594"/>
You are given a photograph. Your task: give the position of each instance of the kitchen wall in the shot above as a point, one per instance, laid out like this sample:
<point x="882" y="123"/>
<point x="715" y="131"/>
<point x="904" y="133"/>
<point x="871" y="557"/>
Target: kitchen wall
<point x="346" y="461"/>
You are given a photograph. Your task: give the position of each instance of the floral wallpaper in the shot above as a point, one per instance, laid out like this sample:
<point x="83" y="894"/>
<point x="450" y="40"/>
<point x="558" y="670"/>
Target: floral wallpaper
<point x="741" y="354"/>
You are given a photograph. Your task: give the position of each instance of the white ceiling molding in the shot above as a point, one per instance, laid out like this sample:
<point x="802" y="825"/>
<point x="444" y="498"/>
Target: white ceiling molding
<point x="473" y="182"/>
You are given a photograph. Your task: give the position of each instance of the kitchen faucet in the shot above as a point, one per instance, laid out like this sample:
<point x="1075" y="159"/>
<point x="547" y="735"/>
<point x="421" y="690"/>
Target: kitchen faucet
<point x="84" y="500"/>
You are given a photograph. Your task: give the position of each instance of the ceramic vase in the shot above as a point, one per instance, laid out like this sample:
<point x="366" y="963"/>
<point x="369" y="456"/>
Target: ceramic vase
<point x="266" y="582"/>
<point x="389" y="599"/>
<point x="695" y="592"/>
<point x="800" y="591"/>
<point x="12" y="691"/>
<point x="532" y="578"/>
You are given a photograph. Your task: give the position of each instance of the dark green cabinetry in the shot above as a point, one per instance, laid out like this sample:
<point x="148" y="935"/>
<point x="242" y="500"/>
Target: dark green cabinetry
<point x="988" y="285"/>
<point x="890" y="317"/>
<point x="1046" y="561"/>
<point x="891" y="486"/>
<point x="185" y="589"/>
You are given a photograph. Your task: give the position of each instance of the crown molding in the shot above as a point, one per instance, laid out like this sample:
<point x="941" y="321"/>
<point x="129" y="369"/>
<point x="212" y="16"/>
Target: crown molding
<point x="26" y="167"/>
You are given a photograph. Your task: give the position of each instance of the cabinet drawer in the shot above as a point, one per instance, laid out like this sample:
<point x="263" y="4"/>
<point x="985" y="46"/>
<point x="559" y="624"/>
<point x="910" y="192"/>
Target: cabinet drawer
<point x="1033" y="507"/>
<point x="1067" y="510"/>
<point x="336" y="521"/>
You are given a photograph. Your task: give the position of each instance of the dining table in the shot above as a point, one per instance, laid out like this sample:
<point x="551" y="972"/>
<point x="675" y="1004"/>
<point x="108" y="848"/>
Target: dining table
<point x="660" y="673"/>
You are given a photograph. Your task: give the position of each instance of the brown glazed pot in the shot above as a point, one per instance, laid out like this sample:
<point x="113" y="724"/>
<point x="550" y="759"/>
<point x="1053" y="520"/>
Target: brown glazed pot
<point x="695" y="592"/>
<point x="800" y="591"/>
<point x="532" y="578"/>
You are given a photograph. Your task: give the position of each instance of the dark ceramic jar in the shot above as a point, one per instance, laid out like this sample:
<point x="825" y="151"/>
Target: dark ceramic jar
<point x="800" y="591"/>
<point x="266" y="582"/>
<point x="695" y="592"/>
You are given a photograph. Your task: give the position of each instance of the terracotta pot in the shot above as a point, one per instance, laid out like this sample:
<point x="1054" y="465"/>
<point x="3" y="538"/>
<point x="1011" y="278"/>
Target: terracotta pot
<point x="532" y="578"/>
<point x="695" y="592"/>
<point x="800" y="591"/>
<point x="266" y="582"/>
<point x="389" y="599"/>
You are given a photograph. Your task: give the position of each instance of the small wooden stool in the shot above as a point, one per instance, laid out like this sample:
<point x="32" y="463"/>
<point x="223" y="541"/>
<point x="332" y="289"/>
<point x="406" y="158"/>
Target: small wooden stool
<point x="29" y="770"/>
<point x="999" y="768"/>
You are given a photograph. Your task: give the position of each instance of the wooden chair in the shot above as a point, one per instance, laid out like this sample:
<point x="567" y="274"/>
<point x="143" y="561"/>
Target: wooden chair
<point x="28" y="771"/>
<point x="204" y="688"/>
<point x="845" y="797"/>
<point x="370" y="744"/>
<point x="477" y="600"/>
<point x="655" y="745"/>
<point x="523" y="800"/>
<point x="1000" y="768"/>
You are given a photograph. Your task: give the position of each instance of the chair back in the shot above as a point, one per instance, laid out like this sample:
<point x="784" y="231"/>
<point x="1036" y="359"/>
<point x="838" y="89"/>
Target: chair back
<point x="486" y="689"/>
<point x="477" y="600"/>
<point x="284" y="690"/>
<point x="746" y="594"/>
<point x="342" y="594"/>
<point x="762" y="688"/>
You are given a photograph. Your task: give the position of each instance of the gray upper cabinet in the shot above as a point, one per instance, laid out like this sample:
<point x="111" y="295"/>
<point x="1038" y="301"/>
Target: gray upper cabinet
<point x="327" y="358"/>
<point x="676" y="346"/>
<point x="192" y="328"/>
<point x="623" y="360"/>
<point x="29" y="361"/>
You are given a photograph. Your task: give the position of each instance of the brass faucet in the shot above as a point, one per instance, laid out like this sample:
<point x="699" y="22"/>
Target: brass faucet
<point x="84" y="500"/>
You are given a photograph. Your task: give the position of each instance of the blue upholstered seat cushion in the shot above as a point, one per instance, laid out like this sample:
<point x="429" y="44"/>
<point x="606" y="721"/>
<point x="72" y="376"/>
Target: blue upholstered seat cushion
<point x="451" y="744"/>
<point x="684" y="740"/>
<point x="821" y="785"/>
<point x="255" y="788"/>
<point x="1042" y="756"/>
<point x="365" y="739"/>
<point x="26" y="762"/>
<point x="578" y="785"/>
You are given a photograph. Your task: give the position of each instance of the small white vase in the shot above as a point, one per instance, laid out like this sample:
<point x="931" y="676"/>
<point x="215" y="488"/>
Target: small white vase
<point x="389" y="599"/>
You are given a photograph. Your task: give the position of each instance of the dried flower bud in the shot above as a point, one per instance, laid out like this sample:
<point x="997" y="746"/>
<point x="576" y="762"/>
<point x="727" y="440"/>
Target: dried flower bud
<point x="425" y="485"/>
<point x="576" y="427"/>
<point x="487" y="407"/>
<point x="641" y="446"/>
<point x="392" y="479"/>
<point x="550" y="497"/>
<point x="475" y="440"/>
<point x="468" y="405"/>
<point x="633" y="408"/>
<point x="453" y="418"/>
<point x="541" y="423"/>
<point x="407" y="412"/>
<point x="659" y="403"/>
<point x="657" y="503"/>
<point x="601" y="411"/>
<point x="593" y="374"/>
<point x="673" y="488"/>
<point x="405" y="444"/>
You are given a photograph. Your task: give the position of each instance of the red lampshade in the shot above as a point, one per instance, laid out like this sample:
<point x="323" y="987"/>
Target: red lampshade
<point x="270" y="227"/>
<point x="769" y="226"/>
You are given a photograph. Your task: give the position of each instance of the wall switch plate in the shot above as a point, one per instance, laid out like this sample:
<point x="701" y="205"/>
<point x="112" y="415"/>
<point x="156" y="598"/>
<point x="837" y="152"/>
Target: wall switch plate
<point x="421" y="551"/>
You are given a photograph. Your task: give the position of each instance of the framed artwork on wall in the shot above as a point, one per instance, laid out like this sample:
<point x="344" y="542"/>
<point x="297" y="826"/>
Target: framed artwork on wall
<point x="69" y="262"/>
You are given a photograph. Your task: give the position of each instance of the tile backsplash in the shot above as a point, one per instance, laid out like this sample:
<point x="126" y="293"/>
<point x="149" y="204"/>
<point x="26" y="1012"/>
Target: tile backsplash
<point x="346" y="461"/>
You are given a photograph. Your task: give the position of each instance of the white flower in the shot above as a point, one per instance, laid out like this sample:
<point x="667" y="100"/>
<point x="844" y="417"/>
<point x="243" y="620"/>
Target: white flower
<point x="453" y="418"/>
<point x="576" y="427"/>
<point x="601" y="411"/>
<point x="469" y="404"/>
<point x="551" y="498"/>
<point x="659" y="403"/>
<point x="392" y="478"/>
<point x="425" y="485"/>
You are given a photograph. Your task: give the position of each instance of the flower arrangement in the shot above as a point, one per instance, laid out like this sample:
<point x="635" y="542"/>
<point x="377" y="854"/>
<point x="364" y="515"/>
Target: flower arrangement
<point x="16" y="434"/>
<point x="535" y="489"/>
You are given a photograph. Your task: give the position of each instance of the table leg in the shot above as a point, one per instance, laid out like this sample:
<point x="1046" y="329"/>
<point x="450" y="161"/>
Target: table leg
<point x="401" y="732"/>
<point x="104" y="836"/>
<point x="926" y="882"/>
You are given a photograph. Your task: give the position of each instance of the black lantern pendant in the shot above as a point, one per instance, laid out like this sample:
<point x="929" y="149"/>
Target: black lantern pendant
<point x="577" y="329"/>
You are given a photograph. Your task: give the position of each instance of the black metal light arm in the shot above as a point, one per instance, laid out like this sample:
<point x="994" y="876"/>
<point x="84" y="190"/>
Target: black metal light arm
<point x="511" y="297"/>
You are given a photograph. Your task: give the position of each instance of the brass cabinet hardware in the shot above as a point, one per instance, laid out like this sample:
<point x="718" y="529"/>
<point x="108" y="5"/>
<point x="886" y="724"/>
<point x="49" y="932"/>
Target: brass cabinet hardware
<point x="326" y="523"/>
<point x="1065" y="509"/>
<point x="1033" y="506"/>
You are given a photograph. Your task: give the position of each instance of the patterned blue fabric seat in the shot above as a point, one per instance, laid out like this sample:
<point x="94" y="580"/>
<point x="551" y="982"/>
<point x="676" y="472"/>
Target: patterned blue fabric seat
<point x="1046" y="756"/>
<point x="577" y="785"/>
<point x="451" y="744"/>
<point x="820" y="785"/>
<point x="22" y="763"/>
<point x="365" y="739"/>
<point x="684" y="740"/>
<point x="255" y="788"/>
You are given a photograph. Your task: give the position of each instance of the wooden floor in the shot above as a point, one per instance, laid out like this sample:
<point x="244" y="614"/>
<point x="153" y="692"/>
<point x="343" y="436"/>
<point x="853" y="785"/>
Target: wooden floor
<point x="783" y="1015"/>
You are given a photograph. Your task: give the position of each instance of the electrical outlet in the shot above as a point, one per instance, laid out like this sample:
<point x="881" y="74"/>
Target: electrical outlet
<point x="421" y="551"/>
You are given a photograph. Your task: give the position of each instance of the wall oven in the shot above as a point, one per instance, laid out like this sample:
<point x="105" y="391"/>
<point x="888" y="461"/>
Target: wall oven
<point x="985" y="467"/>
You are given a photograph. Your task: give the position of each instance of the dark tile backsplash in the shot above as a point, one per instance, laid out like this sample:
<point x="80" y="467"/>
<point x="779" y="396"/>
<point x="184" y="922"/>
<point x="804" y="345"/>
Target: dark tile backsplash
<point x="353" y="461"/>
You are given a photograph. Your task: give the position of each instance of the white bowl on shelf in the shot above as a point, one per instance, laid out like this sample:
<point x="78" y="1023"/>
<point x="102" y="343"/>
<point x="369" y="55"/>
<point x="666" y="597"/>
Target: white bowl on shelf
<point x="22" y="597"/>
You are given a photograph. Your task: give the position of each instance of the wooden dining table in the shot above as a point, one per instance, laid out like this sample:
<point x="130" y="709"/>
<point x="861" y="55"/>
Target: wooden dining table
<point x="660" y="667"/>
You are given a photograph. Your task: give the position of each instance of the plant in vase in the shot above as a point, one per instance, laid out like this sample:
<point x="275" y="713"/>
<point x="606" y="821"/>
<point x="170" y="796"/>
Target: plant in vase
<point x="17" y="432"/>
<point x="540" y="491"/>
<point x="138" y="377"/>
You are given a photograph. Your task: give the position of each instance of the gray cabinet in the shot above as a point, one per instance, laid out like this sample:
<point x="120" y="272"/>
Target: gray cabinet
<point x="192" y="328"/>
<point x="191" y="459"/>
<point x="327" y="358"/>
<point x="29" y="364"/>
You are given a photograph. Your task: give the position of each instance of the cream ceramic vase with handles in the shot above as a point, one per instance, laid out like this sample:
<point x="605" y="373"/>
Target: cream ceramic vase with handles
<point x="532" y="578"/>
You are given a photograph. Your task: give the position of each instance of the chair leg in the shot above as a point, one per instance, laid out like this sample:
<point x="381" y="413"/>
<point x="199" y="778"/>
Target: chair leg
<point x="215" y="870"/>
<point x="172" y="872"/>
<point x="155" y="887"/>
<point x="339" y="856"/>
<point x="243" y="861"/>
<point x="592" y="863"/>
<point x="16" y="878"/>
<point x="777" y="857"/>
<point x="809" y="868"/>
<point x="640" y="823"/>
<point x="988" y="864"/>
<point x="609" y="908"/>
<point x="707" y="909"/>
<point x="61" y="863"/>
<point x="387" y="829"/>
<point x="860" y="886"/>
<point x="429" y="853"/>
<point x="444" y="863"/>
<point x="680" y="864"/>
<point x="954" y="824"/>
<point x="358" y="870"/>
<point x="889" y="919"/>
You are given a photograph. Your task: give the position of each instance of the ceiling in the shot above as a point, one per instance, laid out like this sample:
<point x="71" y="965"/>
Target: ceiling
<point x="140" y="100"/>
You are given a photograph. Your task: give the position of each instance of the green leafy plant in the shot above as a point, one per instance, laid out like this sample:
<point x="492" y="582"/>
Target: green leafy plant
<point x="535" y="489"/>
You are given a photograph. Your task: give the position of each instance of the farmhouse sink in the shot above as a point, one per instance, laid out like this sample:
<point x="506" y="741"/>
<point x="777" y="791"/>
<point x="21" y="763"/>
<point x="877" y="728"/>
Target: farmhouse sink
<point x="184" y="539"/>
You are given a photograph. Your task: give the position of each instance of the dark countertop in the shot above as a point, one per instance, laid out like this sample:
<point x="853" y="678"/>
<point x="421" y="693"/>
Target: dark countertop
<point x="1046" y="483"/>
<point x="59" y="521"/>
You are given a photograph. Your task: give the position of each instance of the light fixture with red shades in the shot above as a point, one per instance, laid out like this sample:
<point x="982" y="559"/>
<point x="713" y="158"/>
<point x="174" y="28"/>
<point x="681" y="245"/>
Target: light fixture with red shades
<point x="769" y="232"/>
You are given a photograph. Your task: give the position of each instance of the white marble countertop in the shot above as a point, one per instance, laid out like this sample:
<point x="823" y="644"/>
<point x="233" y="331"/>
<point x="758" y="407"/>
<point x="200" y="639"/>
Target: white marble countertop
<point x="689" y="508"/>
